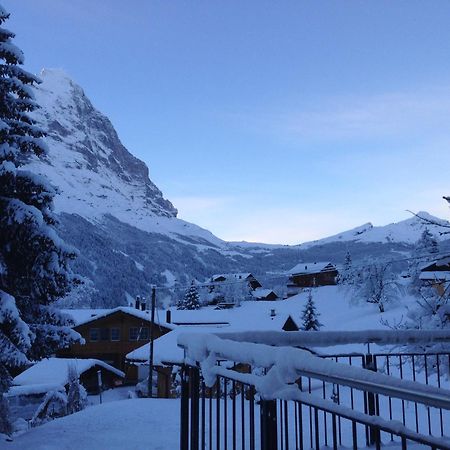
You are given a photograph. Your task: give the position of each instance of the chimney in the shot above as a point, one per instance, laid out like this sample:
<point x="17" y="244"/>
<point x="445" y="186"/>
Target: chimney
<point x="143" y="304"/>
<point x="137" y="305"/>
<point x="169" y="316"/>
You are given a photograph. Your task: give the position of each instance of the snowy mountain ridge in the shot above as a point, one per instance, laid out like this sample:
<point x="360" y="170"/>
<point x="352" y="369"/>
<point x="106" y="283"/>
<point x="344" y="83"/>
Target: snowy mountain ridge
<point x="95" y="174"/>
<point x="406" y="231"/>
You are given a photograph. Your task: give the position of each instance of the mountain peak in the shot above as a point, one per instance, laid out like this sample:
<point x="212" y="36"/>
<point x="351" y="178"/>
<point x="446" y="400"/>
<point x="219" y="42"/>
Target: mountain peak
<point x="95" y="173"/>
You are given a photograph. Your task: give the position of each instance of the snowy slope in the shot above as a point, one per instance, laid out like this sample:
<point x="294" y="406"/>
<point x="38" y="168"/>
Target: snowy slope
<point x="95" y="173"/>
<point x="406" y="231"/>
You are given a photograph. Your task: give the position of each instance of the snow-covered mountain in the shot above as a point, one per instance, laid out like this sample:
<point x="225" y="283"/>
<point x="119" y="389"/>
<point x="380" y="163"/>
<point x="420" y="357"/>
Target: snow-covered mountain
<point x="128" y="235"/>
<point x="406" y="231"/>
<point x="95" y="173"/>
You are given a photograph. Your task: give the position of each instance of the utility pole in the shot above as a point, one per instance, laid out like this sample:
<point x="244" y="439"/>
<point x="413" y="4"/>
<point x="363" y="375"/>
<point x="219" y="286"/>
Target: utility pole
<point x="152" y="337"/>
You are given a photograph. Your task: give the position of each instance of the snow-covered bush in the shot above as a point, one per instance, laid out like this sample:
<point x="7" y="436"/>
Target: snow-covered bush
<point x="53" y="406"/>
<point x="377" y="285"/>
<point x="77" y="395"/>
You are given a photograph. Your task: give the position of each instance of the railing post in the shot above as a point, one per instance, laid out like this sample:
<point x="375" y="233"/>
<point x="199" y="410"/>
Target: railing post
<point x="370" y="363"/>
<point x="194" y="382"/>
<point x="268" y="413"/>
<point x="184" y="409"/>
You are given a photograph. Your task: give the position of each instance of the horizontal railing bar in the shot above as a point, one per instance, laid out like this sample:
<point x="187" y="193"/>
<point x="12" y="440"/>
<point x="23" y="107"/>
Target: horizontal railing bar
<point x="382" y="354"/>
<point x="427" y="399"/>
<point x="332" y="338"/>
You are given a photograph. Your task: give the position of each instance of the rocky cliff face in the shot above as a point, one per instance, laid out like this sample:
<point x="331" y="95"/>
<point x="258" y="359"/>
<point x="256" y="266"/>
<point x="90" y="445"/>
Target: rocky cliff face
<point x="95" y="173"/>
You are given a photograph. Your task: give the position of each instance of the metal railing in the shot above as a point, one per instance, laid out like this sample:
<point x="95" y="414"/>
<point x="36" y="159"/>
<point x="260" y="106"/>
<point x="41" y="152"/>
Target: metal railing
<point x="409" y="405"/>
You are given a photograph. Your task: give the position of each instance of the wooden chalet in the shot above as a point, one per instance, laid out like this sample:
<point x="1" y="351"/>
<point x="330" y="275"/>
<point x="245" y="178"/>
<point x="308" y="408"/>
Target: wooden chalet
<point x="252" y="282"/>
<point x="436" y="275"/>
<point x="307" y="275"/>
<point x="112" y="334"/>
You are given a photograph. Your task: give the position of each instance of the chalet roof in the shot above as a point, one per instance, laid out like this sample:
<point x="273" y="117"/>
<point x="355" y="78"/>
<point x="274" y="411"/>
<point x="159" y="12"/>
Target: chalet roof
<point x="232" y="276"/>
<point x="439" y="275"/>
<point x="311" y="267"/>
<point x="261" y="292"/>
<point x="432" y="266"/>
<point x="54" y="371"/>
<point x="83" y="316"/>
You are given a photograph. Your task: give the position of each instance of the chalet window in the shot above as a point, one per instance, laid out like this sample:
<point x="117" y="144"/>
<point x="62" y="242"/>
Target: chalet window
<point x="144" y="335"/>
<point x="104" y="334"/>
<point x="115" y="334"/>
<point x="134" y="333"/>
<point x="94" y="334"/>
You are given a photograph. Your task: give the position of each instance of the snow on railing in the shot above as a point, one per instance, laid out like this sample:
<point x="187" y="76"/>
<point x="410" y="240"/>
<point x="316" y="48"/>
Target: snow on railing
<point x="332" y="338"/>
<point x="284" y="365"/>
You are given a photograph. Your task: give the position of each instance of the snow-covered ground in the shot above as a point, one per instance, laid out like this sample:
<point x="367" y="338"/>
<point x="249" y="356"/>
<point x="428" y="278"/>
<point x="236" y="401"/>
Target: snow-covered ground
<point x="134" y="424"/>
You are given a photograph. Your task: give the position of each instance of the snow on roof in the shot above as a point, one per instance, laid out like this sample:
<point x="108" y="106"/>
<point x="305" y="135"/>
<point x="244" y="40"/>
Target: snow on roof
<point x="251" y="316"/>
<point x="165" y="348"/>
<point x="54" y="371"/>
<point x="435" y="276"/>
<point x="83" y="316"/>
<point x="30" y="389"/>
<point x="261" y="292"/>
<point x="236" y="276"/>
<point x="311" y="267"/>
<point x="442" y="262"/>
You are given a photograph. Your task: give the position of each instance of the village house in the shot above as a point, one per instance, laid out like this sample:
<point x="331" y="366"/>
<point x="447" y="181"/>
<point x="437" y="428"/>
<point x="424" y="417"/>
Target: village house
<point x="252" y="282"/>
<point x="436" y="275"/>
<point x="311" y="274"/>
<point x="110" y="334"/>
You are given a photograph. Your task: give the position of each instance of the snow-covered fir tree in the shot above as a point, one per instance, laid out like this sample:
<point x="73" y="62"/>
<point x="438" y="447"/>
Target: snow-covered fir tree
<point x="191" y="298"/>
<point x="76" y="395"/>
<point x="347" y="275"/>
<point x="33" y="260"/>
<point x="310" y="316"/>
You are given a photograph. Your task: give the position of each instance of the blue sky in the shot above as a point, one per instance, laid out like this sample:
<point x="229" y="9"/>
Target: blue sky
<point x="266" y="121"/>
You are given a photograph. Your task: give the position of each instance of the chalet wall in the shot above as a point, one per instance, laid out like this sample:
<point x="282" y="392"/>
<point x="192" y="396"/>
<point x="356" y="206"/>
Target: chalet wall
<point x="112" y="351"/>
<point x="314" y="279"/>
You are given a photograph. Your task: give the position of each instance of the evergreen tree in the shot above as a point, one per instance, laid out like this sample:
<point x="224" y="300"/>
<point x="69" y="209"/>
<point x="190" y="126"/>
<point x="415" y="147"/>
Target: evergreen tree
<point x="427" y="244"/>
<point x="76" y="396"/>
<point x="347" y="275"/>
<point x="310" y="321"/>
<point x="191" y="298"/>
<point x="33" y="260"/>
